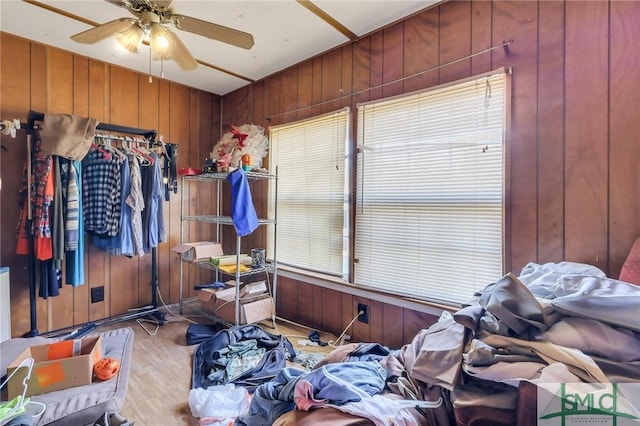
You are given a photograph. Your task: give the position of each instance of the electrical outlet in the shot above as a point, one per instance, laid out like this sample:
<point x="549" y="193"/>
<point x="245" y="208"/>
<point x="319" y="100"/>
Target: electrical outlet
<point x="364" y="316"/>
<point x="97" y="294"/>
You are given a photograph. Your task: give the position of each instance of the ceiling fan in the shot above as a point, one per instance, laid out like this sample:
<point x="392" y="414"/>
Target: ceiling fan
<point x="150" y="23"/>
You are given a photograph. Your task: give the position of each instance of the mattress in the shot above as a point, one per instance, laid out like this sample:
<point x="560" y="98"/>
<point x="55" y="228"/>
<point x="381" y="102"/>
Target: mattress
<point x="80" y="405"/>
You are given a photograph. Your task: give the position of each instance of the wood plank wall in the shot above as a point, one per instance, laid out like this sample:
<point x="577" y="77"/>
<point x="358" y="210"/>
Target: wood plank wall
<point x="573" y="187"/>
<point x="41" y="78"/>
<point x="572" y="147"/>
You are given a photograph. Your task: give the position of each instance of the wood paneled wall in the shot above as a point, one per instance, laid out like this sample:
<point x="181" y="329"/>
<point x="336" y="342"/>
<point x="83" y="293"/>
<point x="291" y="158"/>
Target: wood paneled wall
<point x="41" y="78"/>
<point x="572" y="146"/>
<point x="573" y="185"/>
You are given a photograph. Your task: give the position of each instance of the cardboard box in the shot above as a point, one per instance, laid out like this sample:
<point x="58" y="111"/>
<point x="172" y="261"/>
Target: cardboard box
<point x="221" y="303"/>
<point x="57" y="366"/>
<point x="199" y="251"/>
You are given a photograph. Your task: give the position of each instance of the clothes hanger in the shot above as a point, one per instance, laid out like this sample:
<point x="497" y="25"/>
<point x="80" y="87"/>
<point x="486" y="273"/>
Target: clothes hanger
<point x="143" y="146"/>
<point x="145" y="159"/>
<point x="106" y="145"/>
<point x="98" y="147"/>
<point x="16" y="406"/>
<point x="114" y="149"/>
<point x="126" y="144"/>
<point x="126" y="148"/>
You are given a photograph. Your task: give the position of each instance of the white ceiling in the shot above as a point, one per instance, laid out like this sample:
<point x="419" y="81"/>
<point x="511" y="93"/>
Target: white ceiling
<point x="285" y="33"/>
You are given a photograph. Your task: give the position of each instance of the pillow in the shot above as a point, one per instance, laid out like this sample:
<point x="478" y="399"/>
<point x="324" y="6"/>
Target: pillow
<point x="631" y="268"/>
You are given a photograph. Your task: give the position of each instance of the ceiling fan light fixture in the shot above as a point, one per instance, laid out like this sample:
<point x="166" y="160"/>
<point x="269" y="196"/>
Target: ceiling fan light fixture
<point x="160" y="46"/>
<point x="148" y="27"/>
<point x="132" y="37"/>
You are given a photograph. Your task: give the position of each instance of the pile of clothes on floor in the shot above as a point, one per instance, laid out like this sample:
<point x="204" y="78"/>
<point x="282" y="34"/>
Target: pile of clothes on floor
<point x="483" y="364"/>
<point x="242" y="355"/>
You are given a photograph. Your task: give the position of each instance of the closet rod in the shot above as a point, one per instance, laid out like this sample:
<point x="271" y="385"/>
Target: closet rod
<point x="120" y="138"/>
<point x="126" y="139"/>
<point x="148" y="134"/>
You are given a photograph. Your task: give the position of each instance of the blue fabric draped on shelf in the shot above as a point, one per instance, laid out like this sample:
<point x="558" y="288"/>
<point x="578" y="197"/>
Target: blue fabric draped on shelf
<point x="243" y="214"/>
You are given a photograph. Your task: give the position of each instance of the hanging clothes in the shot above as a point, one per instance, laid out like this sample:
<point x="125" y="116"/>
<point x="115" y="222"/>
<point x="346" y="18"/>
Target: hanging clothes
<point x="153" y="227"/>
<point x="43" y="193"/>
<point x="74" y="272"/>
<point x="57" y="223"/>
<point x="126" y="224"/>
<point x="157" y="186"/>
<point x="135" y="201"/>
<point x="101" y="192"/>
<point x="74" y="168"/>
<point x="120" y="244"/>
<point x="170" y="169"/>
<point x="71" y="197"/>
<point x="50" y="279"/>
<point x="42" y="189"/>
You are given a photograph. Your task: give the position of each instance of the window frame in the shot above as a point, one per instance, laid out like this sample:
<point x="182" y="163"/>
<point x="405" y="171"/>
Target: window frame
<point x="506" y="116"/>
<point x="340" y="115"/>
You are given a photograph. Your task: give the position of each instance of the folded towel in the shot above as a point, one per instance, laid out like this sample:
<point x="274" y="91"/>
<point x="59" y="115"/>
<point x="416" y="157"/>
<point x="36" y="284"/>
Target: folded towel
<point x="231" y="269"/>
<point x="230" y="259"/>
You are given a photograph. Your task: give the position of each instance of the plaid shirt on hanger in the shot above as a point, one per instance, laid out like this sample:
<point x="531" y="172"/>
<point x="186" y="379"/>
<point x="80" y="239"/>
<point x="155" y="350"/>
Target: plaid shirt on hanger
<point x="101" y="191"/>
<point x="41" y="195"/>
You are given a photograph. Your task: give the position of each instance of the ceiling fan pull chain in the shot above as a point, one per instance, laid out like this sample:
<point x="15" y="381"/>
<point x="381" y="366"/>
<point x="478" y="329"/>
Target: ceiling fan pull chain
<point x="150" y="55"/>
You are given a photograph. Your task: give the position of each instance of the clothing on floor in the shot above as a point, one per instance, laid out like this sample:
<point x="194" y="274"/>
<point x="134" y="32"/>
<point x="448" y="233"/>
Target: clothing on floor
<point x="278" y="350"/>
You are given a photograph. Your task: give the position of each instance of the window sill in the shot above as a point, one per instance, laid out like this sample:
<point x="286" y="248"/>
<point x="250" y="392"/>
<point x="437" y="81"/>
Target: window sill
<point x="380" y="296"/>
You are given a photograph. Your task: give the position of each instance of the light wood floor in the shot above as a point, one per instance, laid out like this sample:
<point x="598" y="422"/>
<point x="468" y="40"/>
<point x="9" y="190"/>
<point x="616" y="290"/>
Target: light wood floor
<point x="160" y="378"/>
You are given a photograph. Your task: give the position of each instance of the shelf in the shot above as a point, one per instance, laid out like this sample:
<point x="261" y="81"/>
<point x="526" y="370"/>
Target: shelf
<point x="206" y="177"/>
<point x="222" y="220"/>
<point x="269" y="267"/>
<point x="243" y="312"/>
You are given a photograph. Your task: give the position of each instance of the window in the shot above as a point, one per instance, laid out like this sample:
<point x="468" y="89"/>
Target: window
<point x="309" y="158"/>
<point x="429" y="201"/>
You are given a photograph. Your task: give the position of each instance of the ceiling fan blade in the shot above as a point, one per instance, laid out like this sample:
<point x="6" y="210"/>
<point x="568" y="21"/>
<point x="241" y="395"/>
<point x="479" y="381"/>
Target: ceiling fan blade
<point x="179" y="52"/>
<point x="103" y="31"/>
<point x="214" y="31"/>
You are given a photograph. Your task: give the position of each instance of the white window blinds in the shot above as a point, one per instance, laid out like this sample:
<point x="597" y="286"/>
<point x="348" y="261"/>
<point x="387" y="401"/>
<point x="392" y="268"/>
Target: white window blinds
<point x="309" y="157"/>
<point x="429" y="203"/>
